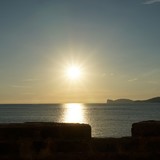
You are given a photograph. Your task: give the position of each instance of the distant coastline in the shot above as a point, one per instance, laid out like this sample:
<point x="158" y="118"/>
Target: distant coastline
<point x="129" y="101"/>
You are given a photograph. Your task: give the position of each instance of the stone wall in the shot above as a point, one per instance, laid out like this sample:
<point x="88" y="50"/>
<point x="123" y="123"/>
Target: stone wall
<point x="146" y="129"/>
<point x="44" y="130"/>
<point x="60" y="141"/>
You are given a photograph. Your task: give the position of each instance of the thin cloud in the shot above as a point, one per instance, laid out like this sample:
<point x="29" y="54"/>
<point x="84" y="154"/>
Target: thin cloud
<point x="111" y="74"/>
<point x="28" y="93"/>
<point x="151" y="1"/>
<point x="19" y="86"/>
<point x="30" y="80"/>
<point x="152" y="82"/>
<point x="132" y="80"/>
<point x="151" y="73"/>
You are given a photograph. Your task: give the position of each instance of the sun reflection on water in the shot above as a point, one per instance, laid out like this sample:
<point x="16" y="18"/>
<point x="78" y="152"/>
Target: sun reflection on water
<point x="74" y="113"/>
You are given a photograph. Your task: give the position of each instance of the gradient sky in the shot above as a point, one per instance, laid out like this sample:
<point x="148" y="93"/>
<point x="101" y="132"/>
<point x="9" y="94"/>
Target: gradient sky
<point x="117" y="43"/>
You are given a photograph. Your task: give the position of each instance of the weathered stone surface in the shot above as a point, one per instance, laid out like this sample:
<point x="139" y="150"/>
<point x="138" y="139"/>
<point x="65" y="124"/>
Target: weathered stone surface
<point x="48" y="141"/>
<point x="37" y="130"/>
<point x="146" y="129"/>
<point x="39" y="141"/>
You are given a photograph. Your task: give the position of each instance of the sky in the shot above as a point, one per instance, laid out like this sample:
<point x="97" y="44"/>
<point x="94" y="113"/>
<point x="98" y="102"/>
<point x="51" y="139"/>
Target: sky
<point x="116" y="43"/>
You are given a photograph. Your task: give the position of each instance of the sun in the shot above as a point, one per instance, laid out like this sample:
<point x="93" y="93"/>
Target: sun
<point x="74" y="72"/>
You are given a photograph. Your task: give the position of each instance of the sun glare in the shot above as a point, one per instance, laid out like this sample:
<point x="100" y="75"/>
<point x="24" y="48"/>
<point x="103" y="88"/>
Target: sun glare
<point x="74" y="72"/>
<point x="74" y="113"/>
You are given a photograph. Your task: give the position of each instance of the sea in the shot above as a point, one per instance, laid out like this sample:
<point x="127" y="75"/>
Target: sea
<point x="105" y="120"/>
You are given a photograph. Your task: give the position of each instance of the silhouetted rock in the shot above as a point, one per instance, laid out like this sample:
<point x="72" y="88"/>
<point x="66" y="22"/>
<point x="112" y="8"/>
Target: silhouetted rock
<point x="151" y="100"/>
<point x="128" y="101"/>
<point x="146" y="129"/>
<point x="120" y="101"/>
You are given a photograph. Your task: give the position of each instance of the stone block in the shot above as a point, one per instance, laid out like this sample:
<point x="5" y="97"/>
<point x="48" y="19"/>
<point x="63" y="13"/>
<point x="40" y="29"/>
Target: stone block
<point x="146" y="129"/>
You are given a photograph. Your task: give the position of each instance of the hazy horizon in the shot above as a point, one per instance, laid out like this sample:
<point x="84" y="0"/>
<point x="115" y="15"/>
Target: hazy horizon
<point x="68" y="102"/>
<point x="67" y="51"/>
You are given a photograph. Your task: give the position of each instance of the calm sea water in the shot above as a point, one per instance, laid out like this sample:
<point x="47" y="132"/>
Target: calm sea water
<point x="105" y="120"/>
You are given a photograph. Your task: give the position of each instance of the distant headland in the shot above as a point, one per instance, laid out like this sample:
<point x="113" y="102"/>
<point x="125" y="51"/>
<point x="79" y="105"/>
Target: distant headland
<point x="129" y="101"/>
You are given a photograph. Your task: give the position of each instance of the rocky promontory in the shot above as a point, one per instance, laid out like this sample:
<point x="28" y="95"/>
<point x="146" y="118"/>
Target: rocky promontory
<point x="129" y="101"/>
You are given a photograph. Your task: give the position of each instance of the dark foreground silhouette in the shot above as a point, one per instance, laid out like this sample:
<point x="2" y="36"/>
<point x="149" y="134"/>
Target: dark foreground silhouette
<point x="49" y="141"/>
